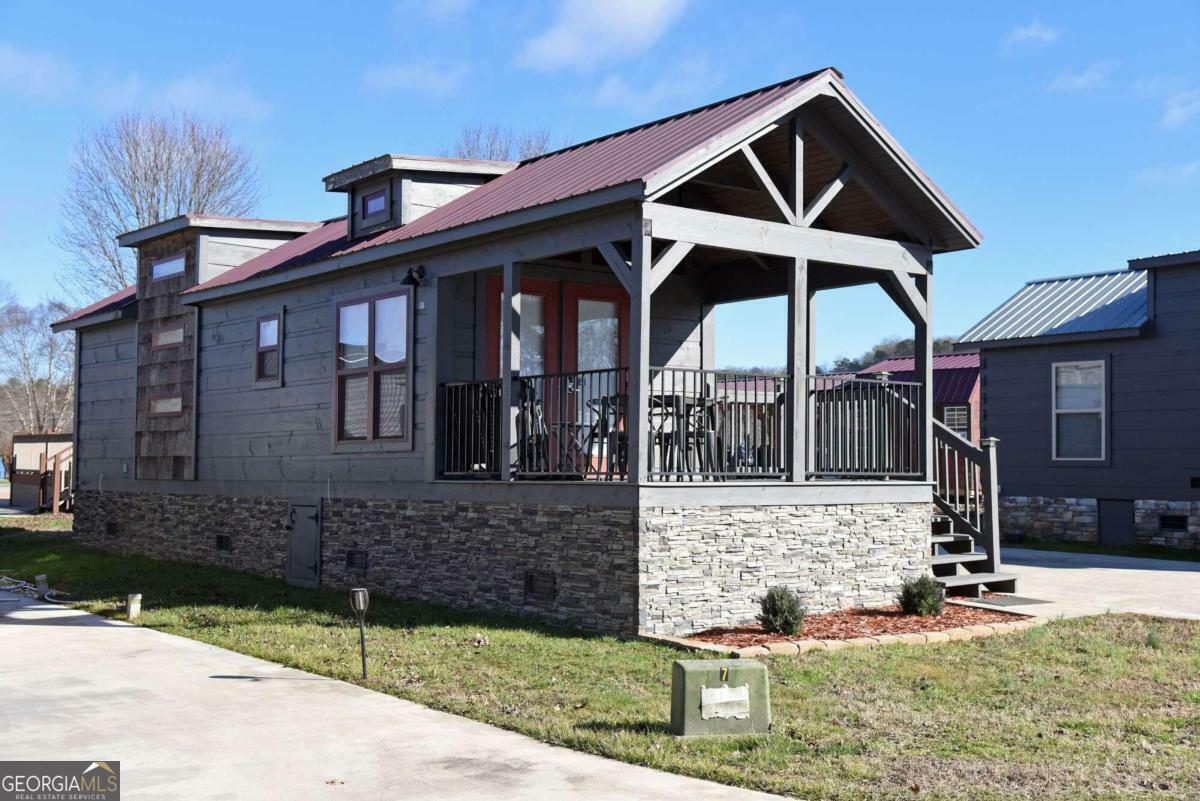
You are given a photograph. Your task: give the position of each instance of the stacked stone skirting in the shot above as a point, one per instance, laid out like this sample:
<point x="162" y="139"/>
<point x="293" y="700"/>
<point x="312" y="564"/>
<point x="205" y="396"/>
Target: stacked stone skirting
<point x="710" y="566"/>
<point x="671" y="571"/>
<point x="1147" y="519"/>
<point x="1040" y="519"/>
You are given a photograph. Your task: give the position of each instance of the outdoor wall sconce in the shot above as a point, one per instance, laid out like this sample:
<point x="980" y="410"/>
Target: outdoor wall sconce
<point x="415" y="276"/>
<point x="360" y="599"/>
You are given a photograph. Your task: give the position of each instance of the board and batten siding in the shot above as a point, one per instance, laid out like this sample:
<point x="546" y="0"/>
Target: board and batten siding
<point x="1153" y="407"/>
<point x="107" y="403"/>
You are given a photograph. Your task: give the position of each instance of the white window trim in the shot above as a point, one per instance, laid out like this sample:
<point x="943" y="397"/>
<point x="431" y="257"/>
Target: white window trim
<point x="1103" y="411"/>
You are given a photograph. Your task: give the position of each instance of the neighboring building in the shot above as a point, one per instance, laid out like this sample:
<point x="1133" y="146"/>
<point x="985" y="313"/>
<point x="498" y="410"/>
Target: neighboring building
<point x="955" y="388"/>
<point x="1091" y="384"/>
<point x="324" y="401"/>
<point x="39" y="461"/>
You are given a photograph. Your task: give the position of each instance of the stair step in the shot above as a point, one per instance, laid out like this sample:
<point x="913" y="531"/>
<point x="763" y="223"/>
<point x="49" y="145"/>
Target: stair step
<point x="956" y="558"/>
<point x="969" y="579"/>
<point x="943" y="539"/>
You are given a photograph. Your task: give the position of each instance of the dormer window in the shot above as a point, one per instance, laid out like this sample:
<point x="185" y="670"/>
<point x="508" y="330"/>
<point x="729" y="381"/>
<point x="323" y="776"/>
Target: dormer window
<point x="165" y="268"/>
<point x="374" y="204"/>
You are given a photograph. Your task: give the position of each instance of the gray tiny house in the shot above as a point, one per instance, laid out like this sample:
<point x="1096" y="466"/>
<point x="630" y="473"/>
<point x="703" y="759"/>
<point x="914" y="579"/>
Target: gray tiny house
<point x="1090" y="383"/>
<point x="493" y="385"/>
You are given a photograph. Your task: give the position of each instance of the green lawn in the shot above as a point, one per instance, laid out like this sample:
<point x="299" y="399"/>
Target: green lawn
<point x="1106" y="707"/>
<point x="1141" y="551"/>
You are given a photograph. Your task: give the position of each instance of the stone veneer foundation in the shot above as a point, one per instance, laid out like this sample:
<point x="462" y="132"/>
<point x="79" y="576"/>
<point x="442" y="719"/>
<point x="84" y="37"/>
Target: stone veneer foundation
<point x="1077" y="520"/>
<point x="709" y="566"/>
<point x="669" y="570"/>
<point x="1042" y="519"/>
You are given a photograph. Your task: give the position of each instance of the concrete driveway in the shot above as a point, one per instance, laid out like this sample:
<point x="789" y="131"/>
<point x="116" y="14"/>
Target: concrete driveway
<point x="188" y="720"/>
<point x="1088" y="584"/>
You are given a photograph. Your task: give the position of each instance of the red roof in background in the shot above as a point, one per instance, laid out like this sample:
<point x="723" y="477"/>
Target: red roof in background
<point x="941" y="361"/>
<point x="612" y="160"/>
<point x="115" y="301"/>
<point x="955" y="375"/>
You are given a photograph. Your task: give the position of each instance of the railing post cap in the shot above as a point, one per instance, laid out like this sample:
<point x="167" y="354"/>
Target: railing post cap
<point x="989" y="442"/>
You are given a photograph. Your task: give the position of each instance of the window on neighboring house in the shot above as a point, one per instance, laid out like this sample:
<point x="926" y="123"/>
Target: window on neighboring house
<point x="957" y="418"/>
<point x="374" y="373"/>
<point x="166" y="404"/>
<point x="167" y="337"/>
<point x="165" y="268"/>
<point x="267" y="361"/>
<point x="374" y="203"/>
<point x="1078" y="410"/>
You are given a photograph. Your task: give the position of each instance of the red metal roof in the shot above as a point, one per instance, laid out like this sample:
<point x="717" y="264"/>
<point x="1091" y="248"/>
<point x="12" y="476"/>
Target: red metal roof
<point x="320" y="243"/>
<point x="117" y="300"/>
<point x="608" y="161"/>
<point x="955" y="375"/>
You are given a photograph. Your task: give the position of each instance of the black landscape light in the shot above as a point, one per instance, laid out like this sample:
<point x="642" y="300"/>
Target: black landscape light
<point x="415" y="276"/>
<point x="360" y="599"/>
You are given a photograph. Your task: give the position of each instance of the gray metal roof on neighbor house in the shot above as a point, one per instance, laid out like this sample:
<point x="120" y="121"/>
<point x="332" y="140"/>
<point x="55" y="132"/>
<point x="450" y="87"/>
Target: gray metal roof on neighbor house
<point x="1110" y="303"/>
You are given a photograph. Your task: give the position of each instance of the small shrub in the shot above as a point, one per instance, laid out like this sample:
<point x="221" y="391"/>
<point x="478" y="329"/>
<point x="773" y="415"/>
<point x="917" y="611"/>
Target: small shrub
<point x="1154" y="640"/>
<point x="921" y="596"/>
<point x="782" y="611"/>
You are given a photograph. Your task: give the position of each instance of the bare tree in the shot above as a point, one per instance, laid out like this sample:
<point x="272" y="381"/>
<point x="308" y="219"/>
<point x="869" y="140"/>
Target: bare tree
<point x="36" y="370"/>
<point x="139" y="170"/>
<point x="497" y="143"/>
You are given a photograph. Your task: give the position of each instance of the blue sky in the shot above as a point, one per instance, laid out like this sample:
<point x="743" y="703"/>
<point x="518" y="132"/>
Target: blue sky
<point x="1069" y="133"/>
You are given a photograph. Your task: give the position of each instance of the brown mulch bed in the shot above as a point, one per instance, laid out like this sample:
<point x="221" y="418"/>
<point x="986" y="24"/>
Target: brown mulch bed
<point x="850" y="623"/>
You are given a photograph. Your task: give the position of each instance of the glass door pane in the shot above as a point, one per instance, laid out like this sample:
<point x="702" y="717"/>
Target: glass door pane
<point x="533" y="333"/>
<point x="597" y="335"/>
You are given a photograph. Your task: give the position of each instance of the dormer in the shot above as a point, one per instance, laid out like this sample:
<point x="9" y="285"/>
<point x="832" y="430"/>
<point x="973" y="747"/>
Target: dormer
<point x="390" y="191"/>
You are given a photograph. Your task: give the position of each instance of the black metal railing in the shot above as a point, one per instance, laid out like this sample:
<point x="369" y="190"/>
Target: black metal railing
<point x="863" y="428"/>
<point x="571" y="426"/>
<point x="717" y="425"/>
<point x="471" y="428"/>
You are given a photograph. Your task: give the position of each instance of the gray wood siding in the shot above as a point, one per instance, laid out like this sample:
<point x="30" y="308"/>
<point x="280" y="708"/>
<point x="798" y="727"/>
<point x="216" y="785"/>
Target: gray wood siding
<point x="426" y="192"/>
<point x="226" y="251"/>
<point x="285" y="434"/>
<point x="1153" y="420"/>
<point x="107" y="402"/>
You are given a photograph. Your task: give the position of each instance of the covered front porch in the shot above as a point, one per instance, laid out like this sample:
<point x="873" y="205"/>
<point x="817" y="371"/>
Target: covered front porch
<point x="566" y="415"/>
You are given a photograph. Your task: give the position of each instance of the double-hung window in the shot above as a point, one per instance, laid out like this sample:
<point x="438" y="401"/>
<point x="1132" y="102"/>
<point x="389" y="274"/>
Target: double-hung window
<point x="266" y="359"/>
<point x="1078" y="411"/>
<point x="957" y="418"/>
<point x="374" y="371"/>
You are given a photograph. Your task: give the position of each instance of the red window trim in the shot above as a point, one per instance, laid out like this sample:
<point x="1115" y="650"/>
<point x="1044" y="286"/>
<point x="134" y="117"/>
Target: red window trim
<point x="259" y="350"/>
<point x="551" y="292"/>
<point x="370" y="370"/>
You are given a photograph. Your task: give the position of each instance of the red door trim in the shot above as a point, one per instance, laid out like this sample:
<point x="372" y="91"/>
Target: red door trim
<point x="550" y="292"/>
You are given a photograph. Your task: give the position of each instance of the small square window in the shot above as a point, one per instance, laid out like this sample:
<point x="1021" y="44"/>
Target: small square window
<point x="356" y="561"/>
<point x="224" y="543"/>
<point x="374" y="203"/>
<point x="165" y="268"/>
<point x="167" y="404"/>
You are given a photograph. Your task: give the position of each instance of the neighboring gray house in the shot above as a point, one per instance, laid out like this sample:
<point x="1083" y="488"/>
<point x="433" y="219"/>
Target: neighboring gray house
<point x="492" y="385"/>
<point x="1092" y="384"/>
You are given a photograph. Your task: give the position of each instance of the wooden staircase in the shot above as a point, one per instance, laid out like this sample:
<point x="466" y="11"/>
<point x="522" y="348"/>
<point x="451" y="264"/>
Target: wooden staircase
<point x="965" y="532"/>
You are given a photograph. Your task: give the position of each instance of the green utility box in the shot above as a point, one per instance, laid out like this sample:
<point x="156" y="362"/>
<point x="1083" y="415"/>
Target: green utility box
<point x="719" y="696"/>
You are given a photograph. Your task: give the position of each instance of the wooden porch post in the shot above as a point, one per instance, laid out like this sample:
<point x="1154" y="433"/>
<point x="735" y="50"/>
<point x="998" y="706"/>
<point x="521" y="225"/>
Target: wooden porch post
<point x="510" y="364"/>
<point x="923" y="351"/>
<point x="56" y="494"/>
<point x="639" y="358"/>
<point x="797" y="368"/>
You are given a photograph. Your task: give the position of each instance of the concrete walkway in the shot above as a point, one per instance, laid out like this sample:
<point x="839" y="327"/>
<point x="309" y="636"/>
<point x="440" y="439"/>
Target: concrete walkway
<point x="191" y="721"/>
<point x="1089" y="584"/>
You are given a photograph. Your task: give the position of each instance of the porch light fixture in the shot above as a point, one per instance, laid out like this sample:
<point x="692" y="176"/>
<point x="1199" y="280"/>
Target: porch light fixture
<point x="360" y="599"/>
<point x="415" y="276"/>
